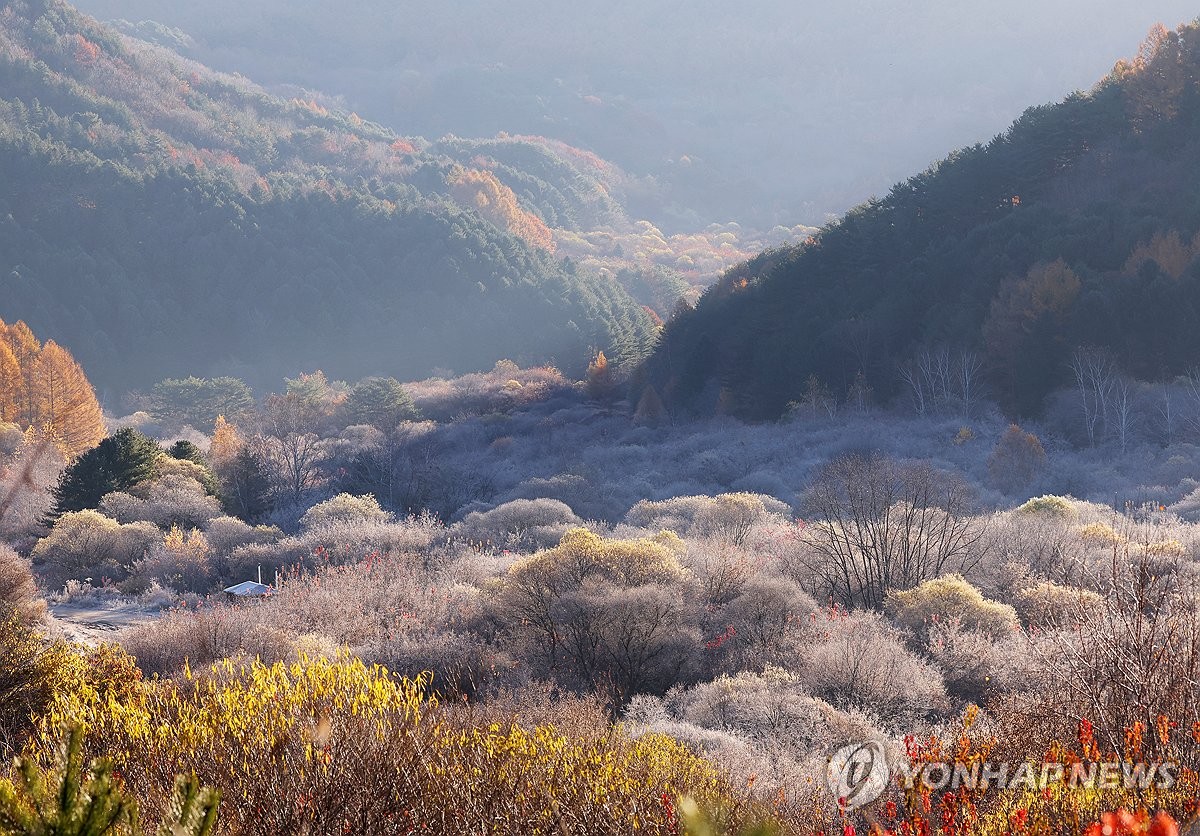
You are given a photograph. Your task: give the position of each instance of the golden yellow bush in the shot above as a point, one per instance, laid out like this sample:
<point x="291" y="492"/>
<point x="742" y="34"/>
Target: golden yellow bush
<point x="1102" y="534"/>
<point x="34" y="672"/>
<point x="335" y="746"/>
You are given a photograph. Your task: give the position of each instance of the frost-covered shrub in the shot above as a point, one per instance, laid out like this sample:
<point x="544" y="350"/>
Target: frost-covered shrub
<point x="179" y="562"/>
<point x="462" y="664"/>
<point x="187" y="468"/>
<point x="604" y="614"/>
<point x="86" y="544"/>
<point x="767" y="773"/>
<point x="199" y="637"/>
<point x="1048" y="543"/>
<point x="393" y="595"/>
<point x="588" y="499"/>
<point x="389" y="608"/>
<point x="336" y="544"/>
<point x="525" y="524"/>
<point x="770" y="619"/>
<point x="772" y="707"/>
<point x="225" y="534"/>
<point x="1047" y="604"/>
<point x="1188" y="507"/>
<point x="123" y="507"/>
<point x="11" y="439"/>
<point x="717" y="466"/>
<point x="718" y="568"/>
<point x="344" y="509"/>
<point x="976" y="665"/>
<point x="25" y="482"/>
<point x="950" y="599"/>
<point x="863" y="665"/>
<point x="505" y="387"/>
<point x="675" y="514"/>
<point x="764" y="483"/>
<point x="730" y="517"/>
<point x="19" y="597"/>
<point x="1101" y="534"/>
<point x="174" y="499"/>
<point x="762" y="729"/>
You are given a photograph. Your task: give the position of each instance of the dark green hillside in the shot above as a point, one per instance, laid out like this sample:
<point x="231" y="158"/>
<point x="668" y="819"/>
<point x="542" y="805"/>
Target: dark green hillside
<point x="1077" y="227"/>
<point x="162" y="220"/>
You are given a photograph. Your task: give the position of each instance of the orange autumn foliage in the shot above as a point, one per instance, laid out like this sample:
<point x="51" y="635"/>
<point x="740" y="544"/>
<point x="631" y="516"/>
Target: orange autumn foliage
<point x="1170" y="252"/>
<point x="41" y="386"/>
<point x="226" y="443"/>
<point x="496" y="203"/>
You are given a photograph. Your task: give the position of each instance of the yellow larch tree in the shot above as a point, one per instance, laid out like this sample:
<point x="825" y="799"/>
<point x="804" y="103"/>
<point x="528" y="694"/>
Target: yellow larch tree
<point x="65" y="401"/>
<point x="226" y="442"/>
<point x="24" y="347"/>
<point x="11" y="385"/>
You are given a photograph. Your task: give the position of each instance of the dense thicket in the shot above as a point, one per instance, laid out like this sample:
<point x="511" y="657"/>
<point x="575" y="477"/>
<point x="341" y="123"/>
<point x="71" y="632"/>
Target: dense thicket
<point x="161" y="219"/>
<point x="1075" y="228"/>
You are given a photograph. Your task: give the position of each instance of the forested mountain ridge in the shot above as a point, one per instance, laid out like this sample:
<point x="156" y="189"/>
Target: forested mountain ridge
<point x="164" y="219"/>
<point x="1076" y="228"/>
<point x="767" y="112"/>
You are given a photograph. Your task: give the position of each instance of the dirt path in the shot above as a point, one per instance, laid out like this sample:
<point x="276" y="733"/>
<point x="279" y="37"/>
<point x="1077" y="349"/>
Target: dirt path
<point x="93" y="624"/>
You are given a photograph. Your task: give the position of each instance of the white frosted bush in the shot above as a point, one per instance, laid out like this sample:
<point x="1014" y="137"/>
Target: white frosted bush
<point x="87" y="544"/>
<point x="772" y="619"/>
<point x="976" y="665"/>
<point x="731" y="516"/>
<point x="344" y="509"/>
<point x="863" y="665"/>
<point x="773" y="707"/>
<point x="338" y="544"/>
<point x="174" y="499"/>
<point x="228" y="533"/>
<point x="526" y="524"/>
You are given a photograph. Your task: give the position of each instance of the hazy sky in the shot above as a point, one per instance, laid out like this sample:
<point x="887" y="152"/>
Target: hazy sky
<point x="775" y="110"/>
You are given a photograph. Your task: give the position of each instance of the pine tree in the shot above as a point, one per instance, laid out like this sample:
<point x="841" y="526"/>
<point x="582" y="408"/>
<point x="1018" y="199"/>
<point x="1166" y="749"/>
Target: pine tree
<point x="246" y="486"/>
<point x="185" y="450"/>
<point x="65" y="401"/>
<point x="78" y="799"/>
<point x="117" y="464"/>
<point x="196" y="401"/>
<point x="381" y="402"/>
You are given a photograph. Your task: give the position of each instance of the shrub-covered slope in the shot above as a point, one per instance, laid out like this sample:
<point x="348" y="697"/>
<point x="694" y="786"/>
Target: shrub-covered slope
<point x="164" y="219"/>
<point x="1078" y="227"/>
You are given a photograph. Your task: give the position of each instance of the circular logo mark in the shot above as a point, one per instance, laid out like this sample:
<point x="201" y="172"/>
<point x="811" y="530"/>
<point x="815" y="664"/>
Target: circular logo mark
<point x="858" y="774"/>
